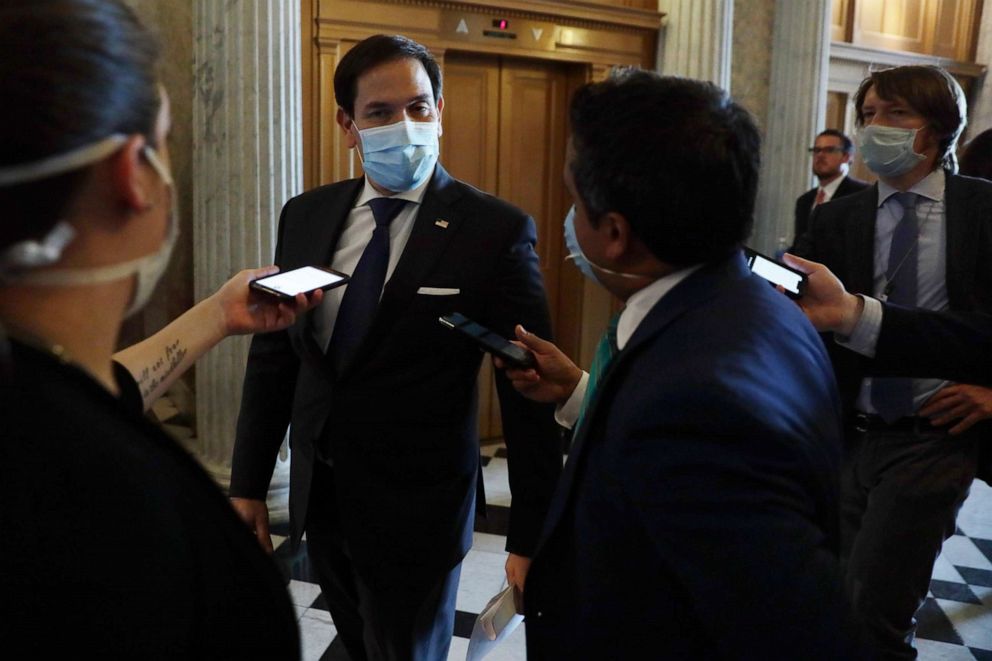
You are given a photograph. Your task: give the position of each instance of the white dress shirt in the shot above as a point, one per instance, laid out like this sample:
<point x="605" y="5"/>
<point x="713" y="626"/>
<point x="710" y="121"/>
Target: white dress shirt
<point x="355" y="235"/>
<point x="638" y="306"/>
<point x="830" y="189"/>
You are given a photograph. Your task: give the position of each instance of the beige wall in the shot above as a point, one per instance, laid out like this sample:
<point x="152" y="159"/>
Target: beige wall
<point x="751" y="68"/>
<point x="172" y="22"/>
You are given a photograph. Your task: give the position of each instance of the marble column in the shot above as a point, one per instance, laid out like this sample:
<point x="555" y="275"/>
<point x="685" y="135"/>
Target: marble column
<point x="697" y="39"/>
<point x="247" y="162"/>
<point x="797" y="99"/>
<point x="980" y="117"/>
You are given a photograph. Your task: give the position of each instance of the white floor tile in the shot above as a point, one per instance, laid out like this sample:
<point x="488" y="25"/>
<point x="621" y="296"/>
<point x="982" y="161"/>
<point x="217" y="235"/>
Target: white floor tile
<point x="973" y="622"/>
<point x="303" y="594"/>
<point x="497" y="480"/>
<point x="483" y="574"/>
<point x="943" y="570"/>
<point x="931" y="650"/>
<point x="316" y="635"/>
<point x="483" y="541"/>
<point x="962" y="552"/>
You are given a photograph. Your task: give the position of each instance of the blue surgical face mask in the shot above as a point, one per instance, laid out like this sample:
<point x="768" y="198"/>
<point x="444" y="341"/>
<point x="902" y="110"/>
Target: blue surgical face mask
<point x="575" y="253"/>
<point x="888" y="151"/>
<point x="400" y="157"/>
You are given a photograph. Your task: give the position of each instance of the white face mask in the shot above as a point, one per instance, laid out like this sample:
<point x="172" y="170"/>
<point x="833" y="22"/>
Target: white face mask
<point x="888" y="151"/>
<point x="19" y="261"/>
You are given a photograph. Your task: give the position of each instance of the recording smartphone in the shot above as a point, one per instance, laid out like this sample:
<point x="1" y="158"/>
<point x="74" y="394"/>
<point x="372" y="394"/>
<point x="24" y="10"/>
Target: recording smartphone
<point x="299" y="281"/>
<point x="489" y="341"/>
<point x="792" y="280"/>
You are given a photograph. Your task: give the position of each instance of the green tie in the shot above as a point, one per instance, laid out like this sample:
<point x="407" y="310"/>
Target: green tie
<point x="605" y="351"/>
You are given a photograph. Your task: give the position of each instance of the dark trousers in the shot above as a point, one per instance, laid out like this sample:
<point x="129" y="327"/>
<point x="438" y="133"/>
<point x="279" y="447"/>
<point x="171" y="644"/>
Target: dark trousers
<point x="901" y="489"/>
<point x="411" y="619"/>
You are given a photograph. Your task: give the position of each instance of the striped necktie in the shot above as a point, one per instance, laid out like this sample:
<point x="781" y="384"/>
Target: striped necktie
<point x="606" y="350"/>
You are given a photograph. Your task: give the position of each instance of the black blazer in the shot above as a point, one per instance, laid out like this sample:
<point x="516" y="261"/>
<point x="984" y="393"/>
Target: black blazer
<point x="697" y="514"/>
<point x="946" y="345"/>
<point x="842" y="236"/>
<point x="400" y="422"/>
<point x="804" y="203"/>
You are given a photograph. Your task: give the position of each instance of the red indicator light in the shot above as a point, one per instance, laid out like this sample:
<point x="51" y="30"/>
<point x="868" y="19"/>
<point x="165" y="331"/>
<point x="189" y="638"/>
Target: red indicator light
<point x="501" y="24"/>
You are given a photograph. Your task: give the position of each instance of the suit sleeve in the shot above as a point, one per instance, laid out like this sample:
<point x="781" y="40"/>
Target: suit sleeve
<point x="947" y="345"/>
<point x="533" y="438"/>
<point x="804" y="245"/>
<point x="801" y="219"/>
<point x="266" y="405"/>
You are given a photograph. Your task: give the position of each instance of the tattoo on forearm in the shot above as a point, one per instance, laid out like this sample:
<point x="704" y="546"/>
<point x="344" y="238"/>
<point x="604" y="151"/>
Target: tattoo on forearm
<point x="154" y="375"/>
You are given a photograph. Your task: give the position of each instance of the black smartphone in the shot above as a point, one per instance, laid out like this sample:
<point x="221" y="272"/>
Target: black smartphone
<point x="792" y="280"/>
<point x="489" y="341"/>
<point x="299" y="281"/>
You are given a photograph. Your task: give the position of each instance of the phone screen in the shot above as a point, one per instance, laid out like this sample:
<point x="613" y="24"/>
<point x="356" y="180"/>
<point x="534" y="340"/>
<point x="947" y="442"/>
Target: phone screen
<point x="301" y="280"/>
<point x="778" y="274"/>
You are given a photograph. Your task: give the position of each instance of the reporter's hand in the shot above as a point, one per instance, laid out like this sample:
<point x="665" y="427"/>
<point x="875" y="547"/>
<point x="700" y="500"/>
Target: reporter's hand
<point x="517" y="567"/>
<point x="966" y="403"/>
<point x="825" y="302"/>
<point x="255" y="513"/>
<point x="243" y="310"/>
<point x="555" y="377"/>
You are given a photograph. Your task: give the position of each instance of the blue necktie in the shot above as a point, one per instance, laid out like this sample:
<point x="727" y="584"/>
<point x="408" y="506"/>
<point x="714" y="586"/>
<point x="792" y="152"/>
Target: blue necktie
<point x="893" y="398"/>
<point x="361" y="298"/>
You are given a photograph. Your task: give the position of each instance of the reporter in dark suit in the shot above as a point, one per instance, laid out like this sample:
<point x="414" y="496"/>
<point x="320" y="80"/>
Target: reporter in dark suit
<point x="383" y="418"/>
<point x="697" y="515"/>
<point x="832" y="151"/>
<point x="920" y="238"/>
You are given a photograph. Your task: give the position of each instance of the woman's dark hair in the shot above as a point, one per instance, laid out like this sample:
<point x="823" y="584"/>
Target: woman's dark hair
<point x="930" y="91"/>
<point x="372" y="52"/>
<point x="976" y="159"/>
<point x="676" y="157"/>
<point x="72" y="72"/>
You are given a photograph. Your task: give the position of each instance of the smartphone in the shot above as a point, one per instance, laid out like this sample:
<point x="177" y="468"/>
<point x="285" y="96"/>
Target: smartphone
<point x="489" y="341"/>
<point x="792" y="280"/>
<point x="299" y="281"/>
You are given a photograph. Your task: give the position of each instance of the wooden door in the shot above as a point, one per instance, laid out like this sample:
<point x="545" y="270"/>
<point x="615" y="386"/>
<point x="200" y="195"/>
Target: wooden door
<point x="505" y="130"/>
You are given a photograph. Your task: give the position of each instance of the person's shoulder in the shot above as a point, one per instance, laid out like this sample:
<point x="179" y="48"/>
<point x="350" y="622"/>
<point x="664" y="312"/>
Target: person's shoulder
<point x="486" y="204"/>
<point x="843" y="207"/>
<point x="856" y="184"/>
<point x="808" y="195"/>
<point x="321" y="194"/>
<point x="971" y="185"/>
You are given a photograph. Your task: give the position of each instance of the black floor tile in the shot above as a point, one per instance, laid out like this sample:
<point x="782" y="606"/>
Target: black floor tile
<point x="982" y="577"/>
<point x="981" y="655"/>
<point x="932" y="624"/>
<point x="984" y="545"/>
<point x="954" y="592"/>
<point x="501" y="453"/>
<point x="294" y="566"/>
<point x="335" y="652"/>
<point x="496" y="521"/>
<point x="464" y="623"/>
<point x="320" y="603"/>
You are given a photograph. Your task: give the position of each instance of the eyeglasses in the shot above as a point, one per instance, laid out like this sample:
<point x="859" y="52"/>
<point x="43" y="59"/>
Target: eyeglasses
<point x="826" y="150"/>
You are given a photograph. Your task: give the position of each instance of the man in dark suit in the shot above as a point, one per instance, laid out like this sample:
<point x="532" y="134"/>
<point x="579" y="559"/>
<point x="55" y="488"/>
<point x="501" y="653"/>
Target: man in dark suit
<point x="921" y="238"/>
<point x="832" y="151"/>
<point x="381" y="397"/>
<point x="697" y="515"/>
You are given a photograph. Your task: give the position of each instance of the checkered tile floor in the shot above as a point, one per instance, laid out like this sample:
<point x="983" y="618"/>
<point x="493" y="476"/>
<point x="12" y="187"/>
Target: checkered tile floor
<point x="955" y="623"/>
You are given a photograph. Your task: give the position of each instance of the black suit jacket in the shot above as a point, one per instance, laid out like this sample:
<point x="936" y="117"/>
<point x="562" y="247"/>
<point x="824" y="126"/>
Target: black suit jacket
<point x="842" y="236"/>
<point x="945" y="345"/>
<point x="804" y="203"/>
<point x="400" y="424"/>
<point x="697" y="514"/>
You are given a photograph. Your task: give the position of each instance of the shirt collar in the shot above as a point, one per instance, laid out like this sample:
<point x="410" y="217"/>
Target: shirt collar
<point x="930" y="187"/>
<point x="641" y="302"/>
<point x="369" y="193"/>
<point x="832" y="187"/>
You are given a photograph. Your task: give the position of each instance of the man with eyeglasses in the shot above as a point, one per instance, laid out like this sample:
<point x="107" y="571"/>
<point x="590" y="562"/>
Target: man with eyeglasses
<point x="832" y="151"/>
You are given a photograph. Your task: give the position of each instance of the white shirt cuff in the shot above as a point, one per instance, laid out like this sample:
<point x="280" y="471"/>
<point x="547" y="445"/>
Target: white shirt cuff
<point x="864" y="337"/>
<point x="568" y="413"/>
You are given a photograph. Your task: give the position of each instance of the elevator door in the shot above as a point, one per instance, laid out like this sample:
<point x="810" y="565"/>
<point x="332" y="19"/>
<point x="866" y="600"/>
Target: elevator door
<point x="505" y="131"/>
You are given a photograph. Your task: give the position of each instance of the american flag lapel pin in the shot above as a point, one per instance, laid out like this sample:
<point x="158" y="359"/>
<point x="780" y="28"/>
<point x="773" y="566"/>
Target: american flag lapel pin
<point x="442" y="223"/>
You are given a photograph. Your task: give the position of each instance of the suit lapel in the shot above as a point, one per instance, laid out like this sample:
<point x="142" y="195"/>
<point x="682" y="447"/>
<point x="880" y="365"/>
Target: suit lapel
<point x="323" y="227"/>
<point x="688" y="294"/>
<point x="859" y="243"/>
<point x="962" y="239"/>
<point x="433" y="229"/>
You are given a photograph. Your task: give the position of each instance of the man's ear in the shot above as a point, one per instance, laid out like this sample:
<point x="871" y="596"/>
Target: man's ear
<point x="129" y="179"/>
<point x="617" y="234"/>
<point x="346" y="123"/>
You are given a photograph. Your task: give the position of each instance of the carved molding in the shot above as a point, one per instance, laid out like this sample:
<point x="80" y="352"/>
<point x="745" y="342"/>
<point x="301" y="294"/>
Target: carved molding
<point x="867" y="55"/>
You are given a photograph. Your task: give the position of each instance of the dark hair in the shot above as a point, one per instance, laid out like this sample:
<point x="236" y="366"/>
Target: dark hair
<point x="72" y="72"/>
<point x="676" y="157"/>
<point x="976" y="159"/>
<point x="845" y="142"/>
<point x="930" y="91"/>
<point x="372" y="52"/>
